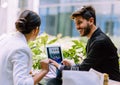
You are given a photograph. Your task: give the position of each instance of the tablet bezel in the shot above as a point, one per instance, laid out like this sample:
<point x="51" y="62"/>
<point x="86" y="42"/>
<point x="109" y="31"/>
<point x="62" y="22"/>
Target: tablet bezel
<point x="60" y="51"/>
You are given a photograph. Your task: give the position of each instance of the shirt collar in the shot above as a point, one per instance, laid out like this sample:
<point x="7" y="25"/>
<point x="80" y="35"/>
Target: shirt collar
<point x="20" y="35"/>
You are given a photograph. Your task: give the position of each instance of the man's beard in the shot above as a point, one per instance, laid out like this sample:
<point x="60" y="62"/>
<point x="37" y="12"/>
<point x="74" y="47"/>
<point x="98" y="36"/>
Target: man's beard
<point x="87" y="30"/>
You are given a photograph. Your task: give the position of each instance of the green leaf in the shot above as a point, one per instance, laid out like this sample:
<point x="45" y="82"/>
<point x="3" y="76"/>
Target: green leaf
<point x="52" y="41"/>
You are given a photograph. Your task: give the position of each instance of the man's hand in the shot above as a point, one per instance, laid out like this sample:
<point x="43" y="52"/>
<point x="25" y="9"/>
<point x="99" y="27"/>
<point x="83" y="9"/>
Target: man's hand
<point x="67" y="62"/>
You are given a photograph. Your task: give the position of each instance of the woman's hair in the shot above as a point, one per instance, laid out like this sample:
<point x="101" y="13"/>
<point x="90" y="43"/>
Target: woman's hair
<point x="27" y="21"/>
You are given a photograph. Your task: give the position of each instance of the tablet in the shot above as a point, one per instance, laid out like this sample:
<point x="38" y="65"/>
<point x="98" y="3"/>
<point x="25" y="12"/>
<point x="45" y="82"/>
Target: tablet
<point x="54" y="53"/>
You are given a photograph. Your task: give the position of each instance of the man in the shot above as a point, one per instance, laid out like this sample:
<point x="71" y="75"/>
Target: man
<point x="101" y="54"/>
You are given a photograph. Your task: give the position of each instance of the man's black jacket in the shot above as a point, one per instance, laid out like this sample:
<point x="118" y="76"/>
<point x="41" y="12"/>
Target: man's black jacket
<point x="101" y="56"/>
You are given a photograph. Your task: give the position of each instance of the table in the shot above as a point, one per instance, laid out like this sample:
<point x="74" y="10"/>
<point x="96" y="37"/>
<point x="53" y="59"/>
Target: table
<point x="112" y="82"/>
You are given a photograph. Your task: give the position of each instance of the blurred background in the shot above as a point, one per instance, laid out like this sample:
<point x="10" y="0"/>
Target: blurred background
<point x="55" y="15"/>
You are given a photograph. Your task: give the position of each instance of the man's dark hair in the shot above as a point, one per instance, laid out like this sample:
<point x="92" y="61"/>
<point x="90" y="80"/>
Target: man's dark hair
<point x="86" y="12"/>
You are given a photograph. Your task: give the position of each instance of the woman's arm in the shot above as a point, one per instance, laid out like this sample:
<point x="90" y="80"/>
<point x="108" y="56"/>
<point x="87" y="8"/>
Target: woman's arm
<point x="44" y="70"/>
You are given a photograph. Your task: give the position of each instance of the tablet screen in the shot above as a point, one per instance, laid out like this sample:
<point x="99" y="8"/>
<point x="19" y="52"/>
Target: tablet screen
<point x="54" y="52"/>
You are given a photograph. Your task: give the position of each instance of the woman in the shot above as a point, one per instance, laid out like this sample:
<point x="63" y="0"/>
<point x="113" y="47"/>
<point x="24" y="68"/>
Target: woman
<point x="15" y="55"/>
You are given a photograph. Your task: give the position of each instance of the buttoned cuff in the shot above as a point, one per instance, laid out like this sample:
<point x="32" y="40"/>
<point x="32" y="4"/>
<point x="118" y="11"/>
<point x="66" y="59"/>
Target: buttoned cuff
<point x="61" y="67"/>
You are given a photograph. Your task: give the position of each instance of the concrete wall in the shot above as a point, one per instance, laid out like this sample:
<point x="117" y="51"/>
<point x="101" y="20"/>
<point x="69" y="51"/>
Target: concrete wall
<point x="10" y="13"/>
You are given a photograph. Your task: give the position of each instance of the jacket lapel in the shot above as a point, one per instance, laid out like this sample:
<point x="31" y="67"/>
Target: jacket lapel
<point x="91" y="40"/>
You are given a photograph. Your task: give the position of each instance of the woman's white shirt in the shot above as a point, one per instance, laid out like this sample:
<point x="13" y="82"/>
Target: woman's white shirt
<point x="15" y="60"/>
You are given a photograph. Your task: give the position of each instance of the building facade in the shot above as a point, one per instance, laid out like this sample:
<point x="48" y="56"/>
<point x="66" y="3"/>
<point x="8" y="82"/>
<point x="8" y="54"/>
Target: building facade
<point x="55" y="15"/>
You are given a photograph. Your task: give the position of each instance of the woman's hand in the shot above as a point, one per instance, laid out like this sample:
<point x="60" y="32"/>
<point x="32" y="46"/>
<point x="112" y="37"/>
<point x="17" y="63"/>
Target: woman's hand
<point x="44" y="70"/>
<point x="54" y="63"/>
<point x="44" y="65"/>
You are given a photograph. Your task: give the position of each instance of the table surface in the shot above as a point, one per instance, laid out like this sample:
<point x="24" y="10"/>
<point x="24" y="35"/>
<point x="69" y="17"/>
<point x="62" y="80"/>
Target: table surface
<point x="112" y="82"/>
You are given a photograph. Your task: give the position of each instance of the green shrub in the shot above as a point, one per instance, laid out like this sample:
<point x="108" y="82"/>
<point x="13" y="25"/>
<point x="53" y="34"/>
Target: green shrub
<point x="38" y="48"/>
<point x="76" y="52"/>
